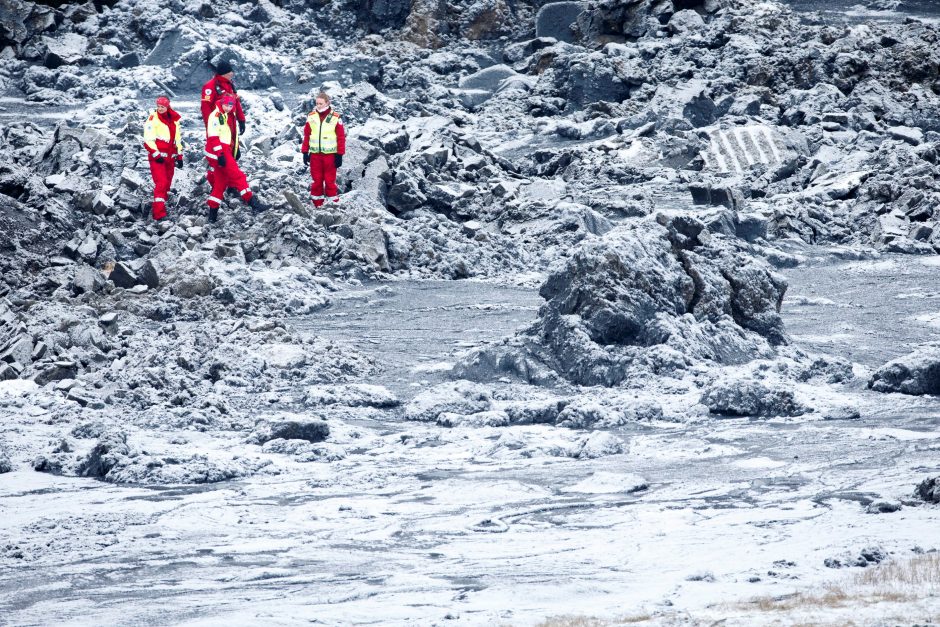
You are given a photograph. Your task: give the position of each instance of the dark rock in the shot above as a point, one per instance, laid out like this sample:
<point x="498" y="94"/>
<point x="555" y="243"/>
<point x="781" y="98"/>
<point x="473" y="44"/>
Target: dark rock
<point x="843" y="413"/>
<point x="916" y="374"/>
<point x="20" y="351"/>
<point x="8" y="372"/>
<point x="89" y="430"/>
<point x="513" y="53"/>
<point x="488" y="79"/>
<point x="747" y="397"/>
<point x="710" y="194"/>
<point x="193" y="286"/>
<point x="395" y="143"/>
<point x="487" y="19"/>
<point x="648" y="297"/>
<point x="56" y="372"/>
<point x="5" y="464"/>
<point x="21" y="20"/>
<point x="379" y="15"/>
<point x="53" y="465"/>
<point x="309" y="430"/>
<point x="129" y="60"/>
<point x="882" y="507"/>
<point x="185" y="54"/>
<point x="751" y="227"/>
<point x="590" y="83"/>
<point x="147" y="274"/>
<point x="249" y="72"/>
<point x="405" y="195"/>
<point x="929" y="490"/>
<point x="123" y="276"/>
<point x="110" y="450"/>
<point x="556" y="19"/>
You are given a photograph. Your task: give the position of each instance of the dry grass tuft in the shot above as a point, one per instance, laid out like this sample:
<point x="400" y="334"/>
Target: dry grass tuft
<point x="922" y="570"/>
<point x="590" y="621"/>
<point x="897" y="581"/>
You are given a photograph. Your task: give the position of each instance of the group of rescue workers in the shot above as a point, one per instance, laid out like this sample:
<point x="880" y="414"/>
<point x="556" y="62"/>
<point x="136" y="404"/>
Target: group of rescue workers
<point x="323" y="147"/>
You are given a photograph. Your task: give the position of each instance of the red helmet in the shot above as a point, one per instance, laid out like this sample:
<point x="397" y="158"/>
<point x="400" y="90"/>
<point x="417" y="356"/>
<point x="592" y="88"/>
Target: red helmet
<point x="227" y="100"/>
<point x="163" y="101"/>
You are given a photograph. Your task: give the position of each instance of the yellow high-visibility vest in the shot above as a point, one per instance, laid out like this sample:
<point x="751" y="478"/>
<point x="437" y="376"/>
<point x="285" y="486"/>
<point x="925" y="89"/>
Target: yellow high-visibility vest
<point x="323" y="135"/>
<point x="155" y="128"/>
<point x="218" y="127"/>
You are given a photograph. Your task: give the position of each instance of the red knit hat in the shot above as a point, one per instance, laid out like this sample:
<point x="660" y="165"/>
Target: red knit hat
<point x="164" y="101"/>
<point x="227" y="99"/>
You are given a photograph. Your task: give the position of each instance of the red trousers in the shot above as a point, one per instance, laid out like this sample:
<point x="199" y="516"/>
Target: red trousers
<point x="224" y="177"/>
<point x="323" y="171"/>
<point x="162" y="174"/>
<point x="210" y="175"/>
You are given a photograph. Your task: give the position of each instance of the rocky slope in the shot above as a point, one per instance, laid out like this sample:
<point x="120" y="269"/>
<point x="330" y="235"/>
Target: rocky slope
<point x="487" y="140"/>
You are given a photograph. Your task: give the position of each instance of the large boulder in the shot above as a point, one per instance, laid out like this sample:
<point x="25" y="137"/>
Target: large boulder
<point x="556" y="19"/>
<point x="110" y="450"/>
<point x="604" y="22"/>
<point x="929" y="490"/>
<point x="299" y="428"/>
<point x="916" y="374"/>
<point x="748" y="397"/>
<point x="459" y="397"/>
<point x="378" y="15"/>
<point x="21" y="20"/>
<point x="66" y="49"/>
<point x="650" y="296"/>
<point x="186" y="53"/>
<point x="5" y="464"/>
<point x="589" y="82"/>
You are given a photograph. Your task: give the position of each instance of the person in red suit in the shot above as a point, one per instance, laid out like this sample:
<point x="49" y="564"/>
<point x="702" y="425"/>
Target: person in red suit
<point x="212" y="91"/>
<point x="164" y="144"/>
<point x="323" y="148"/>
<point x="219" y="153"/>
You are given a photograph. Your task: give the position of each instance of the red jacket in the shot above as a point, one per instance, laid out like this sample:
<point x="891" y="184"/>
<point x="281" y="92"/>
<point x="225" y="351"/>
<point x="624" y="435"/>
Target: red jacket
<point x="169" y="148"/>
<point x="340" y="135"/>
<point x="219" y="135"/>
<point x="212" y="91"/>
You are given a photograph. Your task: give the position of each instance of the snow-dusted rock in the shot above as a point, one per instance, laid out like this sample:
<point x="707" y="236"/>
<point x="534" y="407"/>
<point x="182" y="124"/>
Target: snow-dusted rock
<point x="916" y="373"/>
<point x="929" y="490"/>
<point x="555" y="20"/>
<point x="309" y="430"/>
<point x="351" y="395"/>
<point x="459" y="397"/>
<point x="5" y="464"/>
<point x="640" y="287"/>
<point x="749" y="397"/>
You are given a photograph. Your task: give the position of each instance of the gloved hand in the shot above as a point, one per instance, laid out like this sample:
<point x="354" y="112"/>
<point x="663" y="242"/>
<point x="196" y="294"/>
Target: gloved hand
<point x="338" y="159"/>
<point x="306" y="158"/>
<point x="222" y="160"/>
<point x="179" y="161"/>
<point x="241" y="127"/>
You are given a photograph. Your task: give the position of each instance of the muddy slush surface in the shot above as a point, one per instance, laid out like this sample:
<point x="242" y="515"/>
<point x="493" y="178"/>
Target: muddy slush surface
<point x="426" y="524"/>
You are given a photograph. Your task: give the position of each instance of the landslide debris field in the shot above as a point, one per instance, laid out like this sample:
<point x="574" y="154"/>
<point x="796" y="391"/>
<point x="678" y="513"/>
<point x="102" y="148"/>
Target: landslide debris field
<point x="629" y="314"/>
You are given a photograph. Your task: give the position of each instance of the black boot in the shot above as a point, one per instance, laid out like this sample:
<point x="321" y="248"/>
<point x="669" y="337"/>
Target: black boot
<point x="256" y="205"/>
<point x="213" y="214"/>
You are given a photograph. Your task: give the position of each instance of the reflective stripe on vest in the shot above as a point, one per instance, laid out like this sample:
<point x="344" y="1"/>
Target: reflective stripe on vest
<point x="323" y="136"/>
<point x="218" y="127"/>
<point x="155" y="128"/>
